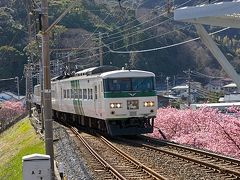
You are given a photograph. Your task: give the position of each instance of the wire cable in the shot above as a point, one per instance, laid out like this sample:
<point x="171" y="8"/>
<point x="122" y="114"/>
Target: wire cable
<point x="164" y="47"/>
<point x="131" y="34"/>
<point x="146" y="21"/>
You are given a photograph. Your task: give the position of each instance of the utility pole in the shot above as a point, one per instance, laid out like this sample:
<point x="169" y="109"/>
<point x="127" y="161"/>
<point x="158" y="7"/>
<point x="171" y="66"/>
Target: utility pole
<point x="47" y="99"/>
<point x="68" y="64"/>
<point x="167" y="80"/>
<point x="41" y="87"/>
<point x="47" y="108"/>
<point x="17" y="81"/>
<point x="28" y="76"/>
<point x="189" y="88"/>
<point x="100" y="49"/>
<point x="174" y="80"/>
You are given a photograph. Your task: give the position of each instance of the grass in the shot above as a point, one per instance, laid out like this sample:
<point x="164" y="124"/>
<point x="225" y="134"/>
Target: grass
<point x="16" y="142"/>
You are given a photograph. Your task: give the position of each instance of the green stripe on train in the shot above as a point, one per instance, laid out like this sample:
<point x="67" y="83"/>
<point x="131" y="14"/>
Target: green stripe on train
<point x="77" y="104"/>
<point x="128" y="94"/>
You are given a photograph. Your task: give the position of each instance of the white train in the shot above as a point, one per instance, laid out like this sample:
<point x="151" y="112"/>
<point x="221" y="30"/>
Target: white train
<point x="118" y="102"/>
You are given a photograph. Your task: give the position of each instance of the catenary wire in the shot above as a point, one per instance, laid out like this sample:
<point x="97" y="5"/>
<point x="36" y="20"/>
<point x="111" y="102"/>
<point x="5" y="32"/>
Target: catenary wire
<point x="119" y="40"/>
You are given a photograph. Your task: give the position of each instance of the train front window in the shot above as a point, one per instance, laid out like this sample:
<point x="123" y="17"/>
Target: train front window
<point x="129" y="84"/>
<point x="142" y="84"/>
<point x="121" y="84"/>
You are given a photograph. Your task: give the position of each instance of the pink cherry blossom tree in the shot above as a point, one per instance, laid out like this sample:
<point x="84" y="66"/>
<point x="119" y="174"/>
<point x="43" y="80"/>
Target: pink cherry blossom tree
<point x="10" y="110"/>
<point x="204" y="128"/>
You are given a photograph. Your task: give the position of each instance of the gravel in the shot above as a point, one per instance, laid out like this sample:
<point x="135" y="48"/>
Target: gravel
<point x="66" y="152"/>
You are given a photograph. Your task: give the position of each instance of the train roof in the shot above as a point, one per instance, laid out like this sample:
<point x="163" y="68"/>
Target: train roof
<point x="127" y="73"/>
<point x="96" y="70"/>
<point x="106" y="72"/>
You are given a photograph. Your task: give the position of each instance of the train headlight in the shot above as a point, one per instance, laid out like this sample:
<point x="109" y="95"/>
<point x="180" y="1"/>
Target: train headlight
<point x="145" y="104"/>
<point x="115" y="105"/>
<point x="112" y="105"/>
<point x="148" y="104"/>
<point x="151" y="103"/>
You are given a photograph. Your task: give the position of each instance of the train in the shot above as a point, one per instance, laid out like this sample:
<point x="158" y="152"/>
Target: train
<point x="112" y="100"/>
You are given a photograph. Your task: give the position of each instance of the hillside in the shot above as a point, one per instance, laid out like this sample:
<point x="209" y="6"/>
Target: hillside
<point x="135" y="25"/>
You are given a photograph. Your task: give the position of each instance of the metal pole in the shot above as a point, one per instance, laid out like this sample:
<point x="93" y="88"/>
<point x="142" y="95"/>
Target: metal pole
<point x="68" y="64"/>
<point x="41" y="86"/>
<point x="26" y="92"/>
<point x="17" y="86"/>
<point x="100" y="49"/>
<point x="30" y="90"/>
<point x="167" y="80"/>
<point x="189" y="89"/>
<point x="47" y="109"/>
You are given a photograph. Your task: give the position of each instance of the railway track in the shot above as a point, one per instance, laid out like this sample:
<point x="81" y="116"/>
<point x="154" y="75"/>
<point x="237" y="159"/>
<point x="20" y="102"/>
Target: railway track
<point x="215" y="166"/>
<point x="116" y="162"/>
<point x="155" y="159"/>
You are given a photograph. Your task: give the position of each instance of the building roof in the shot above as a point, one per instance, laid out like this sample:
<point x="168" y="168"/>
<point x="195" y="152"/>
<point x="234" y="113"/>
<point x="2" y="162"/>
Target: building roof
<point x="231" y="85"/>
<point x="5" y="96"/>
<point x="180" y="87"/>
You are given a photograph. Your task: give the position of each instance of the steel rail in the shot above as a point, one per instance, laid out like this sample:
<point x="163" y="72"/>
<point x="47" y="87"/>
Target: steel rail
<point x="203" y="163"/>
<point x="232" y="160"/>
<point x="98" y="157"/>
<point x="140" y="165"/>
<point x="217" y="167"/>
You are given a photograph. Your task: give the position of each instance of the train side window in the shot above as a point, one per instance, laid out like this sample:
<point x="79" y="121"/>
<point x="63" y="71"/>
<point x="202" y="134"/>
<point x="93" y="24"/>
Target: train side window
<point x="72" y="94"/>
<point x="89" y="94"/>
<point x="80" y="93"/>
<point x="68" y="93"/>
<point x="64" y="94"/>
<point x="84" y="93"/>
<point x="95" y="92"/>
<point x="75" y="94"/>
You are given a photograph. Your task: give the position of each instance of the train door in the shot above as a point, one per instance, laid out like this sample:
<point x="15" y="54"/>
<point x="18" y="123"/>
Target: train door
<point x="98" y="99"/>
<point x="95" y="99"/>
<point x="61" y="98"/>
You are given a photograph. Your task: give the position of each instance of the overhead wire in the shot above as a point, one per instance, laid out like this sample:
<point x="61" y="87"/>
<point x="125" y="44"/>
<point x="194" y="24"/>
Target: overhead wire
<point x="92" y="34"/>
<point x="140" y="30"/>
<point x="204" y="75"/>
<point x="160" y="48"/>
<point x="133" y="33"/>
<point x="130" y="35"/>
<point x="147" y="50"/>
<point x="134" y="27"/>
<point x="106" y="45"/>
<point x="154" y="49"/>
<point x="145" y="21"/>
<point x="164" y="47"/>
<point x="7" y="79"/>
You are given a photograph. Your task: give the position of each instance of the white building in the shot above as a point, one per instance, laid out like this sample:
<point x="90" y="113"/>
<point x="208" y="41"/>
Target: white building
<point x="230" y="88"/>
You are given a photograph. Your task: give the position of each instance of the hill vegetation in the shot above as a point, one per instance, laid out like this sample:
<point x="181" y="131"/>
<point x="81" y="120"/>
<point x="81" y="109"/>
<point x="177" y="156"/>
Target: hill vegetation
<point x="135" y="25"/>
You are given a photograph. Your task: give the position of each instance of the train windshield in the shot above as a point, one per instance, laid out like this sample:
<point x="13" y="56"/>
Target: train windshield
<point x="129" y="84"/>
